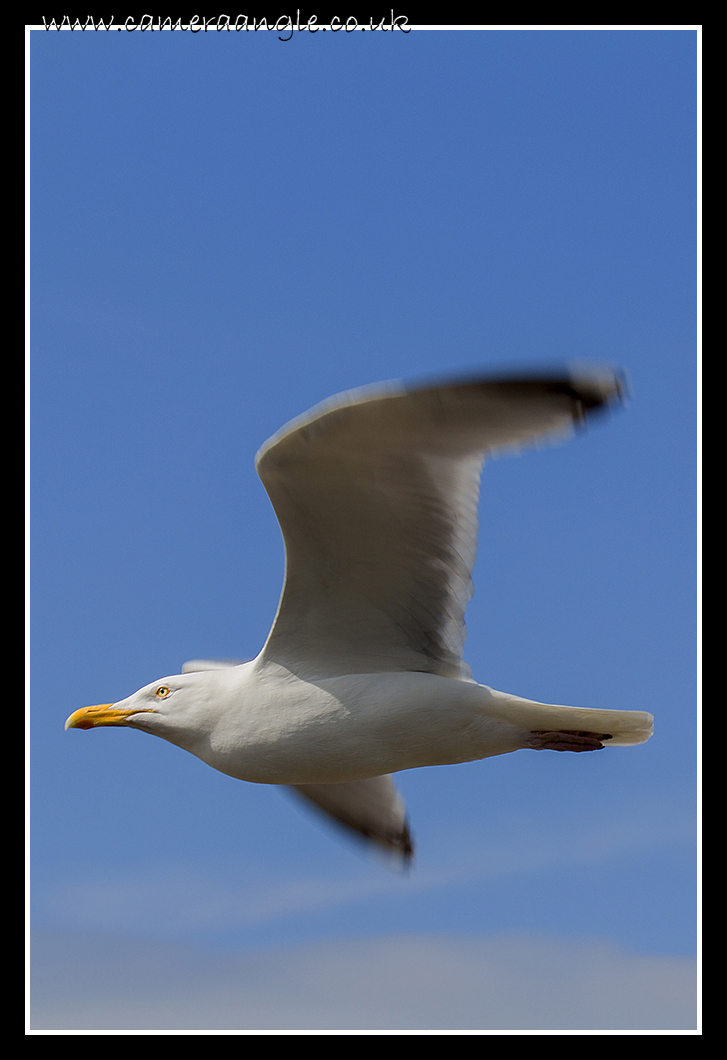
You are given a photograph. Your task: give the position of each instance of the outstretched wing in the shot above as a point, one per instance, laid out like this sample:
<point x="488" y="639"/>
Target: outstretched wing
<point x="373" y="808"/>
<point x="376" y="493"/>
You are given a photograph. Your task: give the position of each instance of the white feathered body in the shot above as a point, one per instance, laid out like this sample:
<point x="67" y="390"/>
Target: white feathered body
<point x="262" y="723"/>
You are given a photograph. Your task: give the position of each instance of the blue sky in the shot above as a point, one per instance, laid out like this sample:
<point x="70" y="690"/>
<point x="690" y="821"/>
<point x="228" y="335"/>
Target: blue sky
<point x="225" y="230"/>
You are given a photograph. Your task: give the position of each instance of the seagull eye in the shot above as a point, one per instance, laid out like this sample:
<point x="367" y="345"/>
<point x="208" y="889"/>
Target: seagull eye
<point x="162" y="692"/>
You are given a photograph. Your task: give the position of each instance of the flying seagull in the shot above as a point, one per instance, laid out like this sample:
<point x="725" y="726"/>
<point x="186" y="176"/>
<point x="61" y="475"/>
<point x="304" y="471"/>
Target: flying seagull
<point x="362" y="675"/>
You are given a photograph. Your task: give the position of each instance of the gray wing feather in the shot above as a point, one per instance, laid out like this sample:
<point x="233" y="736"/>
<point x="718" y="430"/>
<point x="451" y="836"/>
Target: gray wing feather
<point x="376" y="492"/>
<point x="194" y="666"/>
<point x="371" y="807"/>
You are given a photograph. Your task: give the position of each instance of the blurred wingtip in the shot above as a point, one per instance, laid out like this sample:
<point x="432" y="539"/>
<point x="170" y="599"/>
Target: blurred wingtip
<point x="605" y="385"/>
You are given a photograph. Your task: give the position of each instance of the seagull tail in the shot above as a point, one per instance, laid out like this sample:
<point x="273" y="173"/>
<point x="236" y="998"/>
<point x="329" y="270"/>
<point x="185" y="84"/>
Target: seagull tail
<point x="617" y="728"/>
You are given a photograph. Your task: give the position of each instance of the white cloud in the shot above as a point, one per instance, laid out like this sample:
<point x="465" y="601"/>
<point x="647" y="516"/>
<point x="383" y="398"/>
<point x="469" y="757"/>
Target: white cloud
<point x="180" y="900"/>
<point x="411" y="982"/>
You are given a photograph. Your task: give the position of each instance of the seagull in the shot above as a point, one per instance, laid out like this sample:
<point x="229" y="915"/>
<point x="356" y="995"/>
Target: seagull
<point x="362" y="675"/>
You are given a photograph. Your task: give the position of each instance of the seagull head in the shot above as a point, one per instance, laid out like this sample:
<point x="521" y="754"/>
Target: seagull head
<point x="179" y="709"/>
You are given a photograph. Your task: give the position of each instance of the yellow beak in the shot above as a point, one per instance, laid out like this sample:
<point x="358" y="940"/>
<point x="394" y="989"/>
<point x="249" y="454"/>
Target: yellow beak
<point x="104" y="714"/>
